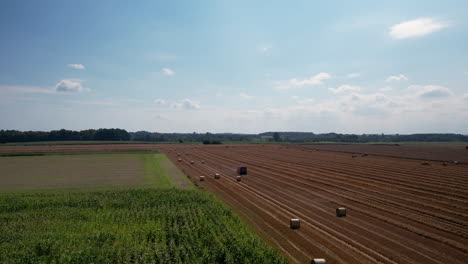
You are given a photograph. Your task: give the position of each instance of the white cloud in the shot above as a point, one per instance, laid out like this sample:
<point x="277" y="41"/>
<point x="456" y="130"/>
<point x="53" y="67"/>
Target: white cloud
<point x="396" y="78"/>
<point x="292" y="83"/>
<point x="430" y="91"/>
<point x="246" y="96"/>
<point x="160" y="101"/>
<point x="187" y="104"/>
<point x="76" y="66"/>
<point x="168" y="72"/>
<point x="345" y="88"/>
<point x="353" y="75"/>
<point x="386" y="89"/>
<point x="70" y="85"/>
<point x="416" y="28"/>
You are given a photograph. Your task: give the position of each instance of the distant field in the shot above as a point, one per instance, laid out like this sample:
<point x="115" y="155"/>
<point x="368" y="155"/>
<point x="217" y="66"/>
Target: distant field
<point x="57" y="171"/>
<point x="441" y="151"/>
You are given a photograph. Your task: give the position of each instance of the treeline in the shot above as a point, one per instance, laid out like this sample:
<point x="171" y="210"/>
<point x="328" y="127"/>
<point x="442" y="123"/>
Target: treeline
<point x="205" y="138"/>
<point x="113" y="134"/>
<point x="364" y="138"/>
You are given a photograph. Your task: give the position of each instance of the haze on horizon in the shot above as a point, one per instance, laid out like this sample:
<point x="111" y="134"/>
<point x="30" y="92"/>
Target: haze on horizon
<point x="235" y="66"/>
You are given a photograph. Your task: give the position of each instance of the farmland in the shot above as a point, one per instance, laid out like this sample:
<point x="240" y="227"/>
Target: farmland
<point x="426" y="151"/>
<point x="116" y="208"/>
<point x="97" y="169"/>
<point x="399" y="211"/>
<point x="57" y="171"/>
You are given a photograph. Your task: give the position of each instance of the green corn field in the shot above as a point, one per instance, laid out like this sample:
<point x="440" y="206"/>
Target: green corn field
<point x="139" y="225"/>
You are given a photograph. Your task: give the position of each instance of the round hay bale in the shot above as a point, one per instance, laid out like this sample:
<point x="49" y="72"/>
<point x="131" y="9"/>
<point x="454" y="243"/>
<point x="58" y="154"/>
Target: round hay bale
<point x="202" y="178"/>
<point x="444" y="163"/>
<point x="238" y="178"/>
<point x="192" y="162"/>
<point x="341" y="212"/>
<point x="294" y="223"/>
<point x="456" y="162"/>
<point x="319" y="261"/>
<point x="217" y="176"/>
<point x="179" y="159"/>
<point x="354" y="155"/>
<point x="202" y="162"/>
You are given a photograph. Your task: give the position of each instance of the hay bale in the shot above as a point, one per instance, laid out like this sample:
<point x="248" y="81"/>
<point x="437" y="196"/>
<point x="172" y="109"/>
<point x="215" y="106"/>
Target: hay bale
<point x="202" y="178"/>
<point x="179" y="159"/>
<point x="192" y="162"/>
<point x="456" y="162"/>
<point x="319" y="261"/>
<point x="242" y="170"/>
<point x="444" y="163"/>
<point x="363" y="154"/>
<point x="202" y="162"/>
<point x="178" y="154"/>
<point x="217" y="176"/>
<point x="341" y="212"/>
<point x="354" y="156"/>
<point x="295" y="223"/>
<point x="238" y="178"/>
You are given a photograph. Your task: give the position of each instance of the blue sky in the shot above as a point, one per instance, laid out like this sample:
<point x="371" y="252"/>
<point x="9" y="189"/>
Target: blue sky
<point x="235" y="66"/>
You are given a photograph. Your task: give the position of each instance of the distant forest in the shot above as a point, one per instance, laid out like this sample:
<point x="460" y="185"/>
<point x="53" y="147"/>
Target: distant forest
<point x="115" y="134"/>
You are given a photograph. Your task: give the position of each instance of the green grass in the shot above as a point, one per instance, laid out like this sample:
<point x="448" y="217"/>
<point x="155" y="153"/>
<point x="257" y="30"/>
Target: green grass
<point x="155" y="172"/>
<point x="142" y="225"/>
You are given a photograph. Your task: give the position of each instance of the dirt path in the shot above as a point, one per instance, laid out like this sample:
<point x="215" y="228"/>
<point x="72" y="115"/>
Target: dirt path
<point x="179" y="179"/>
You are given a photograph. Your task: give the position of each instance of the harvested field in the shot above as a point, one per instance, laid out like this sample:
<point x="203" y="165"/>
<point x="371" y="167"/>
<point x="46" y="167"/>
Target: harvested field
<point x="94" y="170"/>
<point x="439" y="152"/>
<point x="397" y="210"/>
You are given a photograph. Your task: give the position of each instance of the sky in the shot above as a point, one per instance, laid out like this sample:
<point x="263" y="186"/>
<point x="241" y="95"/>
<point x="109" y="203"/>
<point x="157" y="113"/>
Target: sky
<point x="235" y="66"/>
